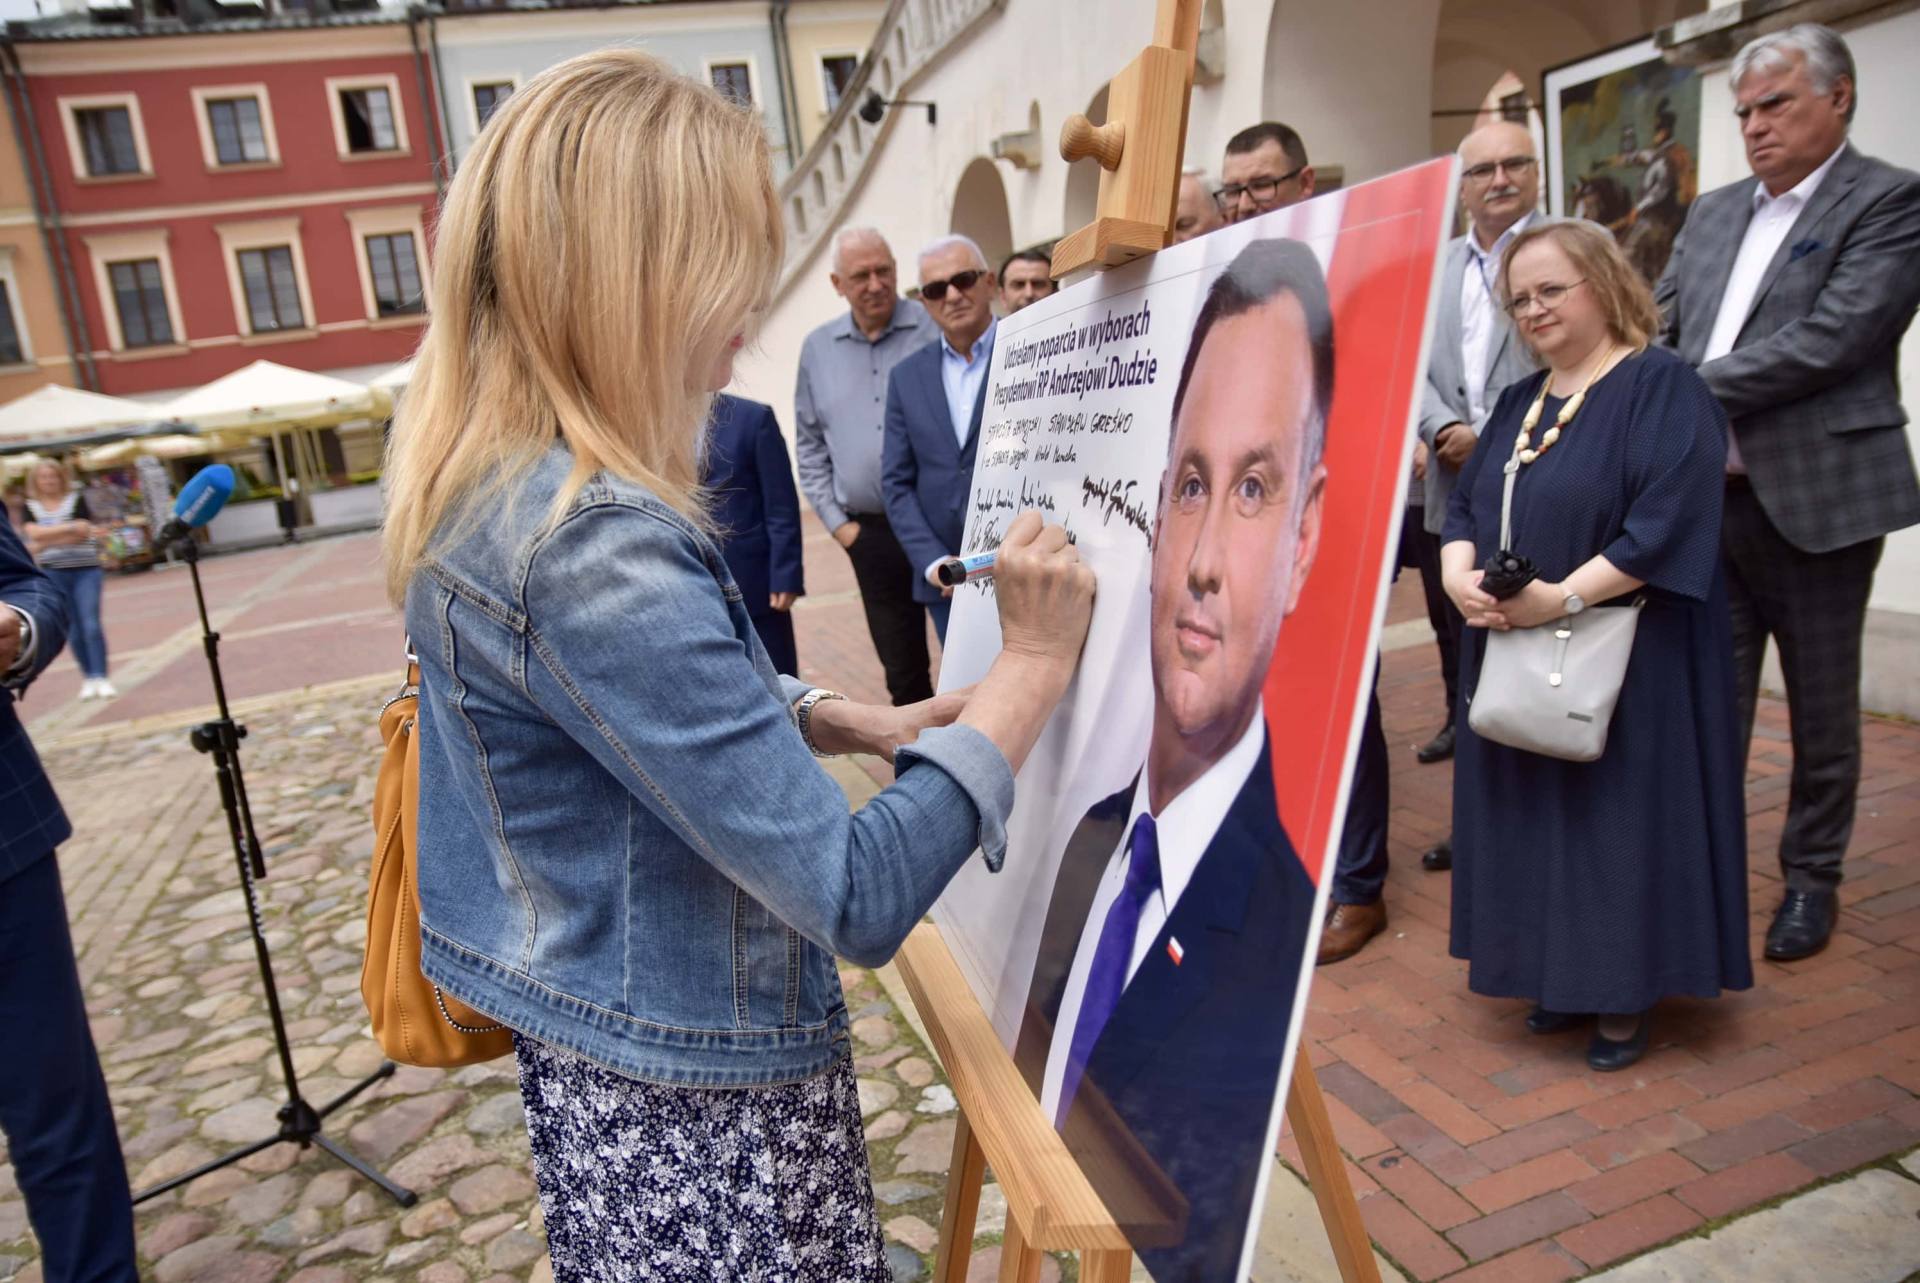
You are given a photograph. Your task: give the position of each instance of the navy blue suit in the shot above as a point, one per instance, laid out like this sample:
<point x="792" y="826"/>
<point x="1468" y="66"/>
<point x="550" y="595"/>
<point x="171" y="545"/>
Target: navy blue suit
<point x="1169" y="1123"/>
<point x="53" y="1098"/>
<point x="925" y="474"/>
<point x="757" y="510"/>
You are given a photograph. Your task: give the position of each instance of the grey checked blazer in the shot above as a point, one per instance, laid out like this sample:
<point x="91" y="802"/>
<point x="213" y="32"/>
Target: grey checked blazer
<point x="1444" y="398"/>
<point x="1812" y="383"/>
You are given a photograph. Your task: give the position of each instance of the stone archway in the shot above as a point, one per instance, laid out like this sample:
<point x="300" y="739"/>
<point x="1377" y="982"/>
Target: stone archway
<point x="980" y="210"/>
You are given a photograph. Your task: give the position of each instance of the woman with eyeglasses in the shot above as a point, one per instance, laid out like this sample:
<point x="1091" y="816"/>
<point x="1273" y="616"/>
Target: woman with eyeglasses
<point x="627" y="852"/>
<point x="1596" y="889"/>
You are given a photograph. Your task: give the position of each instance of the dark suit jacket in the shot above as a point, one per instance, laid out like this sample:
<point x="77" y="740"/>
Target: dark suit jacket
<point x="755" y="504"/>
<point x="31" y="821"/>
<point x="1812" y="383"/>
<point x="925" y="474"/>
<point x="1182" y="1081"/>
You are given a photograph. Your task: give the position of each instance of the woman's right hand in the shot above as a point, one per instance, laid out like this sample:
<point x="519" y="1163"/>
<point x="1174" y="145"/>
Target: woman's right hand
<point x="1044" y="592"/>
<point x="1463" y="588"/>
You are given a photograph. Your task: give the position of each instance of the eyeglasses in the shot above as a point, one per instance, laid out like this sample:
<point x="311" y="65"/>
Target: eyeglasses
<point x="934" y="291"/>
<point x="1514" y="165"/>
<point x="1549" y="297"/>
<point x="1261" y="189"/>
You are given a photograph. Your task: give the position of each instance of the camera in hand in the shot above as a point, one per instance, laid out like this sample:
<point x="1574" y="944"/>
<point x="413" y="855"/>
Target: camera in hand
<point x="1506" y="573"/>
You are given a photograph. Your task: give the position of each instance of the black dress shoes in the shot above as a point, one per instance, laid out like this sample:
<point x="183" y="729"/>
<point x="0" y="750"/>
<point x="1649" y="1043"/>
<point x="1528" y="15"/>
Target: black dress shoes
<point x="1542" y="1021"/>
<point x="1606" y="1055"/>
<point x="1439" y="859"/>
<point x="1802" y="925"/>
<point x="1437" y="749"/>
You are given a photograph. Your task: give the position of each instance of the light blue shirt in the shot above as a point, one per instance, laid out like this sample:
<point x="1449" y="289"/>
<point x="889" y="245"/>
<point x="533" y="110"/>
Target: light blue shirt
<point x="962" y="377"/>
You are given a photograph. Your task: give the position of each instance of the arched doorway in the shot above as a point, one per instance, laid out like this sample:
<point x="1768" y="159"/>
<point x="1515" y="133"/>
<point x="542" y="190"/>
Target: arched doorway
<point x="1083" y="180"/>
<point x="980" y="210"/>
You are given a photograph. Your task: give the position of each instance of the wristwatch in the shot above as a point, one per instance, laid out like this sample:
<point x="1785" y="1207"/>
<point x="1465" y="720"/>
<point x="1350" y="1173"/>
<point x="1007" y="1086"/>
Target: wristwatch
<point x="1573" y="603"/>
<point x="803" y="717"/>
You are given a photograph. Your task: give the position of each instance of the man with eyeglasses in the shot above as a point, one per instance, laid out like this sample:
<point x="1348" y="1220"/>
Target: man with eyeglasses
<point x="1475" y="355"/>
<point x="839" y="403"/>
<point x="1790" y="290"/>
<point x="1265" y="169"/>
<point x="935" y="399"/>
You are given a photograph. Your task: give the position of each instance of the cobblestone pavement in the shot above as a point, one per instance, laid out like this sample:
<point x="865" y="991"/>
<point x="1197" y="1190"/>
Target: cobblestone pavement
<point x="1478" y="1153"/>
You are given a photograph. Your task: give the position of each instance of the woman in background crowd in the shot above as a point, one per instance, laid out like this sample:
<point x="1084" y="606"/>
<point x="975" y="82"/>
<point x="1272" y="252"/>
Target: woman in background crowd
<point x="61" y="534"/>
<point x="627" y="852"/>
<point x="1599" y="888"/>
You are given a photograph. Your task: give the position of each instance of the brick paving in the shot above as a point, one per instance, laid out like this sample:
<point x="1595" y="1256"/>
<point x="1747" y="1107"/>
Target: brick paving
<point x="1478" y="1152"/>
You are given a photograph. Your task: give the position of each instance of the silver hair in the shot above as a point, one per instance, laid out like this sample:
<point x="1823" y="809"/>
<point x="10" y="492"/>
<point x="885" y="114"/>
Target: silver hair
<point x="847" y="235"/>
<point x="1825" y="53"/>
<point x="1199" y="173"/>
<point x="948" y="242"/>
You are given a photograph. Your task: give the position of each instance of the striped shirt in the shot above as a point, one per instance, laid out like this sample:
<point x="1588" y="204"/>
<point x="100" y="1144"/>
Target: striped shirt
<point x="71" y="556"/>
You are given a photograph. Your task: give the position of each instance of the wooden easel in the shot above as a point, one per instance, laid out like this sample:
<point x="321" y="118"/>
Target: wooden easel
<point x="1051" y="1206"/>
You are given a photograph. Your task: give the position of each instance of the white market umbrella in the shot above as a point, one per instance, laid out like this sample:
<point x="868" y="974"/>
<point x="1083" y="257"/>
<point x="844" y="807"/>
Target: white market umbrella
<point x="173" y="446"/>
<point x="55" y="411"/>
<point x="267" y="396"/>
<point x="394" y="381"/>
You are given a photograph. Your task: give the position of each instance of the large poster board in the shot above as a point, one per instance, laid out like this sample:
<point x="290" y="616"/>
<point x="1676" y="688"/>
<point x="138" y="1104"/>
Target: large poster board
<point x="1225" y="429"/>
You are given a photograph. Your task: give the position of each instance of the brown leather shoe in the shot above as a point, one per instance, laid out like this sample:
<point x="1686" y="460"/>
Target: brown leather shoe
<point x="1349" y="927"/>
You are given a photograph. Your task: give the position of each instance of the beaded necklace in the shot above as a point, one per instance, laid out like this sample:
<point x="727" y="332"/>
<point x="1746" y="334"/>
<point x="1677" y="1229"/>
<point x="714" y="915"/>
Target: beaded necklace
<point x="1523" y="447"/>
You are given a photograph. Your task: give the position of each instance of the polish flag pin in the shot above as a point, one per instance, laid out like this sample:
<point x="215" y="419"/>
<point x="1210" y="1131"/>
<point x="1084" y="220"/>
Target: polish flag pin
<point x="1174" y="950"/>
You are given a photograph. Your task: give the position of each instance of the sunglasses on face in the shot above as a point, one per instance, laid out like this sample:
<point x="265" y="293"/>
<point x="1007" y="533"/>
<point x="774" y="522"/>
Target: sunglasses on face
<point x="1514" y="165"/>
<point x="934" y="291"/>
<point x="1261" y="189"/>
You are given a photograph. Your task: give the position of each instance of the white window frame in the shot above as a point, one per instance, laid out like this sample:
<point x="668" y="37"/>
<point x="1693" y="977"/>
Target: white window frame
<point x="127" y="247"/>
<point x="820" y="65"/>
<point x="471" y="83"/>
<point x="76" y="150"/>
<point x="751" y="63"/>
<point x="270" y="233"/>
<point x="389" y="220"/>
<point x="337" y="85"/>
<point x="204" y="96"/>
<point x="10" y="278"/>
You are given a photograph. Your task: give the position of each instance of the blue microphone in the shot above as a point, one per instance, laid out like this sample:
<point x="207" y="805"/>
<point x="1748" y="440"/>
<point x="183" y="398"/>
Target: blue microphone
<point x="200" y="501"/>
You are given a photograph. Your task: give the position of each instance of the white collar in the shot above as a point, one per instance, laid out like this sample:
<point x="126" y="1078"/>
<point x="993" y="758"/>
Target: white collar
<point x="1499" y="242"/>
<point x="1801" y="192"/>
<point x="1185" y="826"/>
<point x="979" y="345"/>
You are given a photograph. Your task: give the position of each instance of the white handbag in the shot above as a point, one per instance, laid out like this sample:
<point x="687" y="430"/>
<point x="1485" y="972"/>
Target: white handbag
<point x="1551" y="689"/>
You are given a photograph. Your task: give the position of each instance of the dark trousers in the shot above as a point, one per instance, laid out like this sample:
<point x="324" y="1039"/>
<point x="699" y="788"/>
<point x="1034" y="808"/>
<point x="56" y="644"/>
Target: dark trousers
<point x="1360" y="863"/>
<point x="896" y="622"/>
<point x="1814" y="606"/>
<point x="776" y="634"/>
<point x="53" y="1098"/>
<point x="1421" y="549"/>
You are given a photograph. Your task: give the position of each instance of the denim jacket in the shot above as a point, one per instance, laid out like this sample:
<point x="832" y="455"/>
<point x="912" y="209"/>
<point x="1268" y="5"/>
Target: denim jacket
<point x="625" y="849"/>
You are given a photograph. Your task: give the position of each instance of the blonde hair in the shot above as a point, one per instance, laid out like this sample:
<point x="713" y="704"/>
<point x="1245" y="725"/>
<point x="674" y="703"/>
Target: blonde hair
<point x="67" y="483"/>
<point x="613" y="227"/>
<point x="1623" y="294"/>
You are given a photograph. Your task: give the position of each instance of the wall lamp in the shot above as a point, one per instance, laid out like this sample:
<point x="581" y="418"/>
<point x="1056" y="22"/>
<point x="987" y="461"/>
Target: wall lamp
<point x="874" y="107"/>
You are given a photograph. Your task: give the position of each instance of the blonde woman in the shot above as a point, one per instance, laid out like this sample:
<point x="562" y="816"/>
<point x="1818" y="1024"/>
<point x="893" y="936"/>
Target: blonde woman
<point x="1596" y="889"/>
<point x="64" y="541"/>
<point x="628" y="854"/>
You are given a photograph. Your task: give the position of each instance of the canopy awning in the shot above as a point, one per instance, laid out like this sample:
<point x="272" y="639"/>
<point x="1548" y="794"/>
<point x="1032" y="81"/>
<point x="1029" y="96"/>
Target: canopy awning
<point x="54" y="412"/>
<point x="265" y="396"/>
<point x="170" y="446"/>
<point x="395" y="380"/>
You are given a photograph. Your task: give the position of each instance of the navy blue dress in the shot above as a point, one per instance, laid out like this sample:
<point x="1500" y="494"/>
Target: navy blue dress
<point x="1605" y="886"/>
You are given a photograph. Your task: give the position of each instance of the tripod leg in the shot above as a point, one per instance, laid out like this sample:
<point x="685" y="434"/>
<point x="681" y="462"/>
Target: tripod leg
<point x="385" y="1071"/>
<point x="212" y="1166"/>
<point x="400" y="1195"/>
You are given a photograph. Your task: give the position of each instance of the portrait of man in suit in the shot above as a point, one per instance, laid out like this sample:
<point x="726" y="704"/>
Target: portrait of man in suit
<point x="1158" y="1013"/>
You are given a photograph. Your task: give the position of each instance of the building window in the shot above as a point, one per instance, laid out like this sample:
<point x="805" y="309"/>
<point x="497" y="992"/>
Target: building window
<point x="239" y="136"/>
<point x="836" y="73"/>
<point x="396" y="274"/>
<point x="367" y="114"/>
<point x="734" y="80"/>
<point x="12" y="351"/>
<point x="272" y="290"/>
<point x="107" y="140"/>
<point x="140" y="299"/>
<point x="487" y="97"/>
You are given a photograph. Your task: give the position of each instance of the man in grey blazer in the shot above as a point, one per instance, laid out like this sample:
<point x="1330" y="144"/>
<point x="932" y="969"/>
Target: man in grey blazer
<point x="1790" y="291"/>
<point x="1475" y="355"/>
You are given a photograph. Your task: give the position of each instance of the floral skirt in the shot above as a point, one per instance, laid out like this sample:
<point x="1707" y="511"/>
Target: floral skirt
<point x="647" y="1182"/>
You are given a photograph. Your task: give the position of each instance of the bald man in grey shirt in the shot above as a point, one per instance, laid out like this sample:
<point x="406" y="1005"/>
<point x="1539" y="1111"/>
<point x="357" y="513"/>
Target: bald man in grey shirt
<point x="839" y="402"/>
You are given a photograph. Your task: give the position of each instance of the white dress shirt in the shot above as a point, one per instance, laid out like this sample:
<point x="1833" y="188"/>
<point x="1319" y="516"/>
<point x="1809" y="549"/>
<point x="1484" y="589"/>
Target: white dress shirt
<point x="1773" y="218"/>
<point x="1479" y="318"/>
<point x="961" y="377"/>
<point x="1184" y="830"/>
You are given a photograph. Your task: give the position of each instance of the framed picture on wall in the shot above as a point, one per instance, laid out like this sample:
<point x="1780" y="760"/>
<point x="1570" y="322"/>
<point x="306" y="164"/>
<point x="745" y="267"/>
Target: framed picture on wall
<point x="1623" y="146"/>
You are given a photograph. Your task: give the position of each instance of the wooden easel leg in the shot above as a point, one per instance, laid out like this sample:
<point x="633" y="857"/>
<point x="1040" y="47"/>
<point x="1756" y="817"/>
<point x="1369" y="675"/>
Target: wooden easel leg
<point x="1106" y="1267"/>
<point x="1327" y="1176"/>
<point x="961" y="1211"/>
<point x="1018" y="1262"/>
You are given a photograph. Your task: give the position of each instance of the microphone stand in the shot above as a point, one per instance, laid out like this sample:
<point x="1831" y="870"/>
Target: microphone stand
<point x="300" y="1122"/>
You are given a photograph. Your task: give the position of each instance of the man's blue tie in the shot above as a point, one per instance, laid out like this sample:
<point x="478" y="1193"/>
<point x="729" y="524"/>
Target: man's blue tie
<point x="1111" y="957"/>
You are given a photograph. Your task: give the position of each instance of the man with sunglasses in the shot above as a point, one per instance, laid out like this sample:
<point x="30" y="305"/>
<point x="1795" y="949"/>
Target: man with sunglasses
<point x="1475" y="355"/>
<point x="935" y="398"/>
<point x="1265" y="169"/>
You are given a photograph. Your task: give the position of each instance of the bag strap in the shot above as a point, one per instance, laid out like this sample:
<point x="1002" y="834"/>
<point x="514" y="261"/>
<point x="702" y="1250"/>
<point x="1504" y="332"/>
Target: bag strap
<point x="1506" y="504"/>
